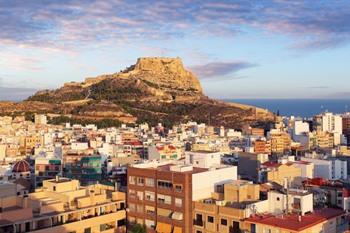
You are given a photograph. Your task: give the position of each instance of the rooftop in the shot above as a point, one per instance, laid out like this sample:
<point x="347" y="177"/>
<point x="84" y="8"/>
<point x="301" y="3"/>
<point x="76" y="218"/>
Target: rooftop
<point x="292" y="222"/>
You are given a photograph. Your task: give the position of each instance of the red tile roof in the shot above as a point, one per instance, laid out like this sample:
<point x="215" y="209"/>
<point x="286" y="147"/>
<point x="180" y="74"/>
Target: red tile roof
<point x="291" y="221"/>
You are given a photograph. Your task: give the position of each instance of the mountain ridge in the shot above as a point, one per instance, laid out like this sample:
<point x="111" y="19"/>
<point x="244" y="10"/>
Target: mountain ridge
<point x="152" y="90"/>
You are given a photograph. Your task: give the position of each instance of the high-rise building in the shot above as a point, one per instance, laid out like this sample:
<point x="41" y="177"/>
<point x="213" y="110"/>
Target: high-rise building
<point x="160" y="194"/>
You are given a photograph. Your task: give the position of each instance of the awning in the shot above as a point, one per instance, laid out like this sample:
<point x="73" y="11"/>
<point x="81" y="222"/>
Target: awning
<point x="163" y="212"/>
<point x="177" y="230"/>
<point x="177" y="216"/>
<point x="163" y="228"/>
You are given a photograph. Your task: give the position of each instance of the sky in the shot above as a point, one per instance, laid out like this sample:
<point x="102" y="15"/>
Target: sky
<point x="238" y="49"/>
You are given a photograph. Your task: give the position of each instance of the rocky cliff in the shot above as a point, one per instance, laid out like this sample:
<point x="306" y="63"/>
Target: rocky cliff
<point x="153" y="90"/>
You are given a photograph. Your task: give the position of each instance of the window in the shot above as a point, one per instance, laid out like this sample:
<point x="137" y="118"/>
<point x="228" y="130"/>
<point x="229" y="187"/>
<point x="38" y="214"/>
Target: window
<point x="211" y="219"/>
<point x="278" y="199"/>
<point x="224" y="222"/>
<point x="140" y="181"/>
<point x="139" y="209"/>
<point x="132" y="207"/>
<point x="106" y="226"/>
<point x="149" y="223"/>
<point x="149" y="196"/>
<point x="132" y="193"/>
<point x="149" y="182"/>
<point x="121" y="223"/>
<point x="87" y="230"/>
<point x="150" y="210"/>
<point x="132" y="180"/>
<point x="164" y="199"/>
<point x="178" y="202"/>
<point x="140" y="195"/>
<point x="178" y="188"/>
<point x="165" y="184"/>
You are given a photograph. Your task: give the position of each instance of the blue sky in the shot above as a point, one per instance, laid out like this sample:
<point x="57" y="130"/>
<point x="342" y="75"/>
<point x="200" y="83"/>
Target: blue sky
<point x="238" y="49"/>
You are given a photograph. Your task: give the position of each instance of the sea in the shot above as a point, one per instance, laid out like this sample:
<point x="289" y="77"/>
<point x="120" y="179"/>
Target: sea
<point x="304" y="108"/>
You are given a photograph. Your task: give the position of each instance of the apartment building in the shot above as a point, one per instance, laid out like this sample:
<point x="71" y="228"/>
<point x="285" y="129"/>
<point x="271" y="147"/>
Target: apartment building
<point x="47" y="168"/>
<point x="280" y="173"/>
<point x="330" y="169"/>
<point x="323" y="220"/>
<point x="262" y="146"/>
<point x="346" y="126"/>
<point x="329" y="193"/>
<point x="160" y="194"/>
<point x="86" y="168"/>
<point x="249" y="165"/>
<point x="62" y="205"/>
<point x="225" y="210"/>
<point x="280" y="141"/>
<point x="29" y="142"/>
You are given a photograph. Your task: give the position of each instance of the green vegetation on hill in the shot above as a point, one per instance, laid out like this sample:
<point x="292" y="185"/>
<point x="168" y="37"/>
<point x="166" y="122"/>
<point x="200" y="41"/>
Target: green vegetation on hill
<point x="104" y="123"/>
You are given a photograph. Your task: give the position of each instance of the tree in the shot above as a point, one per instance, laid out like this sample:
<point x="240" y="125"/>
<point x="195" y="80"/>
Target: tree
<point x="138" y="228"/>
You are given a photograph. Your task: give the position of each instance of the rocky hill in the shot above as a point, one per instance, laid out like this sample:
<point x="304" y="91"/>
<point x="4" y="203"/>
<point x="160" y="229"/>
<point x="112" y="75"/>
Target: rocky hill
<point x="153" y="90"/>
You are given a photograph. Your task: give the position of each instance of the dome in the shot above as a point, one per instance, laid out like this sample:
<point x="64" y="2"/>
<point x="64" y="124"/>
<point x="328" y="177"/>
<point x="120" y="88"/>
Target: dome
<point x="21" y="166"/>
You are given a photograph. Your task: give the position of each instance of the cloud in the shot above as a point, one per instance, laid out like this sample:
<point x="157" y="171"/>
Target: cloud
<point x="15" y="94"/>
<point x="65" y="24"/>
<point x="19" y="61"/>
<point x="219" y="69"/>
<point x="318" y="87"/>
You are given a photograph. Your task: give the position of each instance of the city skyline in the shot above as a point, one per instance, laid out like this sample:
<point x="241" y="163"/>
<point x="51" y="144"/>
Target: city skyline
<point x="255" y="49"/>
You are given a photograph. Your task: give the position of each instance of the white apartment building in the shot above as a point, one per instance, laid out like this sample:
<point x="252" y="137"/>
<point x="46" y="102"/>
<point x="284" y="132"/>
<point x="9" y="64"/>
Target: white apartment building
<point x="203" y="159"/>
<point x="332" y="123"/>
<point x="332" y="169"/>
<point x="295" y="201"/>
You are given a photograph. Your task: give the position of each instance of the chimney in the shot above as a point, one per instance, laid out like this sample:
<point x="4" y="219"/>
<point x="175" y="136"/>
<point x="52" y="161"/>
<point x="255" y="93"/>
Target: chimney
<point x="57" y="178"/>
<point x="299" y="218"/>
<point x="25" y="202"/>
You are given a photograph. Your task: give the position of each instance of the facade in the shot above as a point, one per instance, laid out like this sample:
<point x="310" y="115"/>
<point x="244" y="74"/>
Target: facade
<point x="328" y="193"/>
<point x="281" y="173"/>
<point x="204" y="159"/>
<point x="160" y="194"/>
<point x="86" y="168"/>
<point x="330" y="169"/>
<point x="225" y="210"/>
<point x="249" y="165"/>
<point x="280" y="141"/>
<point x="62" y="205"/>
<point x="346" y="126"/>
<point x="163" y="152"/>
<point x="46" y="168"/>
<point x="332" y="123"/>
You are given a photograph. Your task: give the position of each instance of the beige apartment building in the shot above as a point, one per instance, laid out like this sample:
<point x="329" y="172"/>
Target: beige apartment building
<point x="62" y="205"/>
<point x="27" y="143"/>
<point x="280" y="142"/>
<point x="227" y="208"/>
<point x="279" y="172"/>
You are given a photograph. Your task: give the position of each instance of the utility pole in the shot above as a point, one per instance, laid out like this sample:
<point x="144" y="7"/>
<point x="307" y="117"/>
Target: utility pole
<point x="287" y="192"/>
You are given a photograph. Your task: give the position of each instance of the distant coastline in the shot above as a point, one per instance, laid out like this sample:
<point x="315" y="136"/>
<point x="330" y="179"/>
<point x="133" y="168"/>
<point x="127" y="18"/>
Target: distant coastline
<point x="298" y="107"/>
